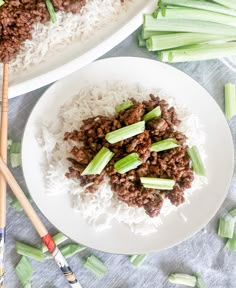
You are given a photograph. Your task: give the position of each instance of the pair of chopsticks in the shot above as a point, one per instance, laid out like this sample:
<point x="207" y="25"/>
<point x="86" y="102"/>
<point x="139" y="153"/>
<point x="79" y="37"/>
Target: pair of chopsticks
<point x="7" y="177"/>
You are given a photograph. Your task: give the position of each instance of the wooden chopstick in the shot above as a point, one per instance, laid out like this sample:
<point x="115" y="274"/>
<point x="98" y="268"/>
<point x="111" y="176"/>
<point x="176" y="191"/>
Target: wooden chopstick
<point x="38" y="225"/>
<point x="3" y="185"/>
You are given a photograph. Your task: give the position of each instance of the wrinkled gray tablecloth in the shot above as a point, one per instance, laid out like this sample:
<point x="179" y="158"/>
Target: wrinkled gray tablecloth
<point x="204" y="252"/>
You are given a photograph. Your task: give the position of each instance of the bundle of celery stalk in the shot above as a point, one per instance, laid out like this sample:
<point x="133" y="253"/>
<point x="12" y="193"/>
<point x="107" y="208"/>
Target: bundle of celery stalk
<point x="190" y="30"/>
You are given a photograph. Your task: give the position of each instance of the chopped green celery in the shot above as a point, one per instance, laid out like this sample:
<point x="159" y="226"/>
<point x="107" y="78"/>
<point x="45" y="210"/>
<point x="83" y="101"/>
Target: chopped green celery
<point x="137" y="260"/>
<point x="231" y="243"/>
<point x="1" y="2"/>
<point x="227" y="3"/>
<point x="69" y="250"/>
<point x="51" y="11"/>
<point x="233" y="213"/>
<point x="129" y="162"/>
<point x="200" y="282"/>
<point x="15" y="154"/>
<point x="197" y="163"/>
<point x="24" y="271"/>
<point x="198" y="52"/>
<point x="99" y="162"/>
<point x="230" y="100"/>
<point x="29" y="251"/>
<point x="147" y="34"/>
<point x="157" y="183"/>
<point x="58" y="239"/>
<point x="164" y="145"/>
<point x="183" y="279"/>
<point x="203" y="5"/>
<point x="141" y="41"/>
<point x="124" y="105"/>
<point x="154" y="113"/>
<point x="163" y="42"/>
<point x="96" y="266"/>
<point x="9" y="143"/>
<point x="197" y="14"/>
<point x="16" y="204"/>
<point x="186" y="25"/>
<point x="226" y="226"/>
<point x="125" y="132"/>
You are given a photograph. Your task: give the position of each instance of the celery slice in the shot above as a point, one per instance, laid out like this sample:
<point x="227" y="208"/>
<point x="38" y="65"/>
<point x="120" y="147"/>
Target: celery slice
<point x="147" y="34"/>
<point x="141" y="41"/>
<point x="58" y="239"/>
<point x="184" y="279"/>
<point x="125" y="132"/>
<point x="96" y="266"/>
<point x="129" y="162"/>
<point x="186" y="25"/>
<point x="231" y="243"/>
<point x="51" y="11"/>
<point x="198" y="52"/>
<point x="16" y="204"/>
<point x="156" y="112"/>
<point x="230" y="100"/>
<point x="203" y="5"/>
<point x="137" y="260"/>
<point x="200" y="282"/>
<point x="99" y="162"/>
<point x="226" y="227"/>
<point x="197" y="163"/>
<point x="164" y="145"/>
<point x="125" y="105"/>
<point x="233" y="213"/>
<point x="227" y="3"/>
<point x="24" y="271"/>
<point x="1" y="2"/>
<point x="15" y="154"/>
<point x="157" y="183"/>
<point x="29" y="251"/>
<point x="69" y="250"/>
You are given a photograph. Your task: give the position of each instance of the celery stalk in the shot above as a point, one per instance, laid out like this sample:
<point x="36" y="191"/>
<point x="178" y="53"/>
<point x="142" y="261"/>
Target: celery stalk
<point x="69" y="250"/>
<point x="96" y="266"/>
<point x="51" y="11"/>
<point x="197" y="163"/>
<point x="99" y="162"/>
<point x="184" y="279"/>
<point x="203" y="5"/>
<point x="154" y="113"/>
<point x="125" y="132"/>
<point x="231" y="243"/>
<point x="164" y="145"/>
<point x="1" y="2"/>
<point x="24" y="271"/>
<point x="200" y="282"/>
<point x="226" y="227"/>
<point x="230" y="100"/>
<point x="233" y="213"/>
<point x="228" y="3"/>
<point x="141" y="41"/>
<point x="58" y="239"/>
<point x="157" y="183"/>
<point x="129" y="162"/>
<point x="124" y="105"/>
<point x="147" y="33"/>
<point x="29" y="251"/>
<point x="137" y="260"/>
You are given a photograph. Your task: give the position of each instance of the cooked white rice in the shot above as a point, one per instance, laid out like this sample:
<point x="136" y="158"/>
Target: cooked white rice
<point x="50" y="39"/>
<point x="101" y="208"/>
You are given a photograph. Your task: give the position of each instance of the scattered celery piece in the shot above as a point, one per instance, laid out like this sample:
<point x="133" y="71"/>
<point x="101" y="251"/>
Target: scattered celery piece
<point x="24" y="271"/>
<point x="233" y="213"/>
<point x="164" y="145"/>
<point x="184" y="279"/>
<point x="156" y="112"/>
<point x="16" y="204"/>
<point x="200" y="282"/>
<point x="51" y="11"/>
<point x="137" y="260"/>
<point x="96" y="266"/>
<point x="69" y="250"/>
<point x="9" y="143"/>
<point x="125" y="132"/>
<point x="124" y="105"/>
<point x="129" y="162"/>
<point x="157" y="183"/>
<point x="15" y="154"/>
<point x="197" y="163"/>
<point x="147" y="34"/>
<point x="29" y="251"/>
<point x="230" y="100"/>
<point x="226" y="227"/>
<point x="1" y="2"/>
<point x="231" y="243"/>
<point x="99" y="162"/>
<point x="58" y="239"/>
<point x="141" y="41"/>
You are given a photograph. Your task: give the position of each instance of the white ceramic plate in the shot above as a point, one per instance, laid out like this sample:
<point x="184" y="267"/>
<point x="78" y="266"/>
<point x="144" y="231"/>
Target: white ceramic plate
<point x="119" y="239"/>
<point x="62" y="64"/>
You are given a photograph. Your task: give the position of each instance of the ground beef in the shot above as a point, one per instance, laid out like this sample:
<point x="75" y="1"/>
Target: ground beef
<point x="170" y="164"/>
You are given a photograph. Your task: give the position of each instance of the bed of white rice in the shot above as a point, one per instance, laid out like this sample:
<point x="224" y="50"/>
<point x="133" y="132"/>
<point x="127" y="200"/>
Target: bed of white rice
<point x="100" y="209"/>
<point x="48" y="39"/>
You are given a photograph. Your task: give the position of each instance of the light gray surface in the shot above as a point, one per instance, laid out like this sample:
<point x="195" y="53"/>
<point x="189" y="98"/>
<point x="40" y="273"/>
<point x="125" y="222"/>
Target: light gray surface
<point x="203" y="253"/>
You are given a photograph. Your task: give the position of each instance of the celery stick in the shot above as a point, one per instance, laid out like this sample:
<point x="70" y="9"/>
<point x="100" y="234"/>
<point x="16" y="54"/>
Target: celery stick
<point x="230" y="100"/>
<point x="137" y="260"/>
<point x="29" y="251"/>
<point x="129" y="162"/>
<point x="58" y="239"/>
<point x="197" y="163"/>
<point x="157" y="183"/>
<point x="200" y="282"/>
<point x="51" y="11"/>
<point x="233" y="213"/>
<point x="96" y="266"/>
<point x="141" y="41"/>
<point x="15" y="154"/>
<point x="24" y="271"/>
<point x="99" y="162"/>
<point x="198" y="52"/>
<point x="231" y="243"/>
<point x="186" y="25"/>
<point x="203" y="5"/>
<point x="1" y="2"/>
<point x="226" y="227"/>
<point x="197" y="14"/>
<point x="147" y="34"/>
<point x="227" y="3"/>
<point x="125" y="132"/>
<point x="183" y="279"/>
<point x="69" y="250"/>
<point x="124" y="105"/>
<point x="154" y="113"/>
<point x="164" y="145"/>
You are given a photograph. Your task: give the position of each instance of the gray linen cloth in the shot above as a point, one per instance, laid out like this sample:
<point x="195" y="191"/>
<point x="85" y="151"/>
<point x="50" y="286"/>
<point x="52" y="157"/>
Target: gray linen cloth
<point x="203" y="253"/>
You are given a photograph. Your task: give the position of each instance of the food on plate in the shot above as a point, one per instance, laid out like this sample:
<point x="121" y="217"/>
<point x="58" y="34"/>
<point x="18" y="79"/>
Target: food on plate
<point x="131" y="166"/>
